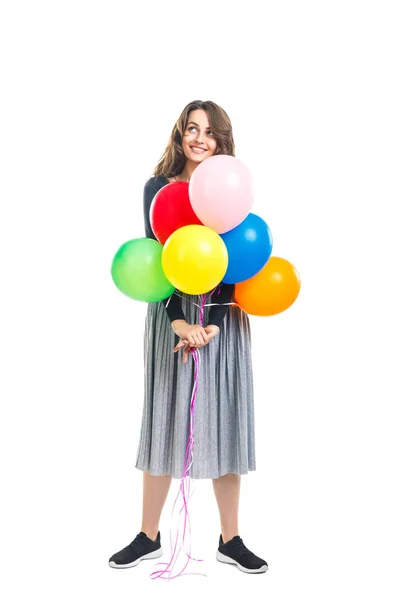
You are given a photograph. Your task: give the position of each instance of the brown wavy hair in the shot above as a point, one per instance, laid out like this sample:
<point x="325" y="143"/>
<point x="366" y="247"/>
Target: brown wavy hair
<point x="173" y="160"/>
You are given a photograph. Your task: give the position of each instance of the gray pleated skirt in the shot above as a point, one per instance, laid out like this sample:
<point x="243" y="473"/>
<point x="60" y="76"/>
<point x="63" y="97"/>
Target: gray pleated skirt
<point x="224" y="440"/>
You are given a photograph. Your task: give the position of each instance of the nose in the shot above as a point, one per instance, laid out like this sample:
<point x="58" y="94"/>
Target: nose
<point x="199" y="137"/>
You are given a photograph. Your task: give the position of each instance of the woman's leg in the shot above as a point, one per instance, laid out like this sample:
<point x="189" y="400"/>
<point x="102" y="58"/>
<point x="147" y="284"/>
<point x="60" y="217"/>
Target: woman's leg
<point x="155" y="492"/>
<point x="227" y="491"/>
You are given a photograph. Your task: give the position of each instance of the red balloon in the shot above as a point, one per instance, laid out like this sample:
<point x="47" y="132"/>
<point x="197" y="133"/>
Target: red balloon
<point x="171" y="209"/>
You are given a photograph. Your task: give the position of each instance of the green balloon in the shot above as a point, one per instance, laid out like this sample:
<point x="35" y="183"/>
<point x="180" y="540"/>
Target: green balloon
<point x="137" y="272"/>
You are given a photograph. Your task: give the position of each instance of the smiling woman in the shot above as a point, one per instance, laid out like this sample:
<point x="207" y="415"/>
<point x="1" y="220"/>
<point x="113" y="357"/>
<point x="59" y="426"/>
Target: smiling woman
<point x="202" y="130"/>
<point x="224" y="408"/>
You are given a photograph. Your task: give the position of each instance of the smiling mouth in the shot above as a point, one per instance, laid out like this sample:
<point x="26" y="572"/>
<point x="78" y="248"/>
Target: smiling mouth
<point x="197" y="150"/>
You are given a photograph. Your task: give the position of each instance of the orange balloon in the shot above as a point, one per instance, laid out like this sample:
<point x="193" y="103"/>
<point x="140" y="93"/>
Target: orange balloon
<point x="271" y="291"/>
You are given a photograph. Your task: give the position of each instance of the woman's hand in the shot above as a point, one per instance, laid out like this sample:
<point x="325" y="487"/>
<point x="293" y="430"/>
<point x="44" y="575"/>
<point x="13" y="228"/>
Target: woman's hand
<point x="211" y="331"/>
<point x="194" y="335"/>
<point x="187" y="349"/>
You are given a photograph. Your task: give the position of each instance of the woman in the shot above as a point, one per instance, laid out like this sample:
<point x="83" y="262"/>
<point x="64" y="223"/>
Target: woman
<point x="224" y="445"/>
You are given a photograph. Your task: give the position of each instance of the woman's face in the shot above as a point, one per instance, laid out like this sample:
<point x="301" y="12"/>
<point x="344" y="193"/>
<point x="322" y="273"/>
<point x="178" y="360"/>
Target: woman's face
<point x="198" y="140"/>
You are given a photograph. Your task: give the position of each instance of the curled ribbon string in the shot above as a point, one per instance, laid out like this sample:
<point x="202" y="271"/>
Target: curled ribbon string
<point x="185" y="481"/>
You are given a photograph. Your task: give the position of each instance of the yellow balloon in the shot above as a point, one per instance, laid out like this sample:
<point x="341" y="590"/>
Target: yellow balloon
<point x="194" y="259"/>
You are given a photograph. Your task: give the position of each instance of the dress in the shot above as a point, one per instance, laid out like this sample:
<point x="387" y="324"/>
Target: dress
<point x="224" y="439"/>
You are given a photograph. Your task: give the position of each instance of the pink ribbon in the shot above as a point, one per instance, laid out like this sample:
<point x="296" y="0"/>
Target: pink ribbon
<point x="184" y="488"/>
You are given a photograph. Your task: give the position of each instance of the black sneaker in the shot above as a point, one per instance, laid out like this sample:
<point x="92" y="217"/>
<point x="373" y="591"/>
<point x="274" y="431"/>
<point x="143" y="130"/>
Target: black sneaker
<point x="141" y="548"/>
<point x="235" y="552"/>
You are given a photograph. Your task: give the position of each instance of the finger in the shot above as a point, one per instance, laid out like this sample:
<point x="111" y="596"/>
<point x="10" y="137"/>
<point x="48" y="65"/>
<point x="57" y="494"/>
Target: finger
<point x="198" y="339"/>
<point x="180" y="345"/>
<point x="204" y="335"/>
<point x="202" y="339"/>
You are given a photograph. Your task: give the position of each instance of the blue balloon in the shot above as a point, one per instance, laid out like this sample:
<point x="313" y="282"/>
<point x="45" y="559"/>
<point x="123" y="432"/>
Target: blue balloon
<point x="249" y="248"/>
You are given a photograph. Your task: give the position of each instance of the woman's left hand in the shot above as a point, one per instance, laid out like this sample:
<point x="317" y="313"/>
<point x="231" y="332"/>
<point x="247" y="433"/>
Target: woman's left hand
<point x="211" y="330"/>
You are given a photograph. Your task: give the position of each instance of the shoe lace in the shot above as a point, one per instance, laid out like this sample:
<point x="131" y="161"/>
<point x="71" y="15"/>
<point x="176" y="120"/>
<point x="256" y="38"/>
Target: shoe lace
<point x="139" y="541"/>
<point x="237" y="545"/>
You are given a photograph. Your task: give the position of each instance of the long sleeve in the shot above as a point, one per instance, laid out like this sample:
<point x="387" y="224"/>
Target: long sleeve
<point x="174" y="308"/>
<point x="217" y="313"/>
<point x="149" y="192"/>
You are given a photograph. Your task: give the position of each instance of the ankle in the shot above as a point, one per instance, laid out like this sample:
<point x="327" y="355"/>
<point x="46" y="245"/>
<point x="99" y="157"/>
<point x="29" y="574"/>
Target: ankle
<point x="151" y="534"/>
<point x="226" y="537"/>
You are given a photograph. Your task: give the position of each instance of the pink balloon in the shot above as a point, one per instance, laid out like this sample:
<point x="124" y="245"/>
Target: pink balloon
<point x="220" y="192"/>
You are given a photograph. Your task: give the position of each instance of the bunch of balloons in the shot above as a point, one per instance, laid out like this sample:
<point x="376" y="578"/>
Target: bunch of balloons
<point x="207" y="235"/>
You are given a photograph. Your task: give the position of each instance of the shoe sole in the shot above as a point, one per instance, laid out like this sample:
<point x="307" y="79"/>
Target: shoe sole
<point x="230" y="561"/>
<point x="154" y="554"/>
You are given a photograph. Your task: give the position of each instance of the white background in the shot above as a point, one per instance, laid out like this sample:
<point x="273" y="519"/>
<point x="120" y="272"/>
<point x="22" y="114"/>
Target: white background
<point x="90" y="93"/>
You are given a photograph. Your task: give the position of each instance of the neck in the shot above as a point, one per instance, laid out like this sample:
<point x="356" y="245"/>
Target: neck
<point x="187" y="170"/>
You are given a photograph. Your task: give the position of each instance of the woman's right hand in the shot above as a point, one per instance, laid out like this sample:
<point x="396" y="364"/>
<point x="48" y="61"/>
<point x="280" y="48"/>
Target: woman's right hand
<point x="194" y="334"/>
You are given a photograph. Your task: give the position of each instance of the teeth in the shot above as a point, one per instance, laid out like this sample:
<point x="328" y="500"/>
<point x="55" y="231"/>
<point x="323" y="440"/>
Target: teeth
<point x="198" y="149"/>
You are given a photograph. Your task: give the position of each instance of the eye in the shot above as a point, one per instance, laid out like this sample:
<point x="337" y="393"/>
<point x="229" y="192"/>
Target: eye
<point x="195" y="128"/>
